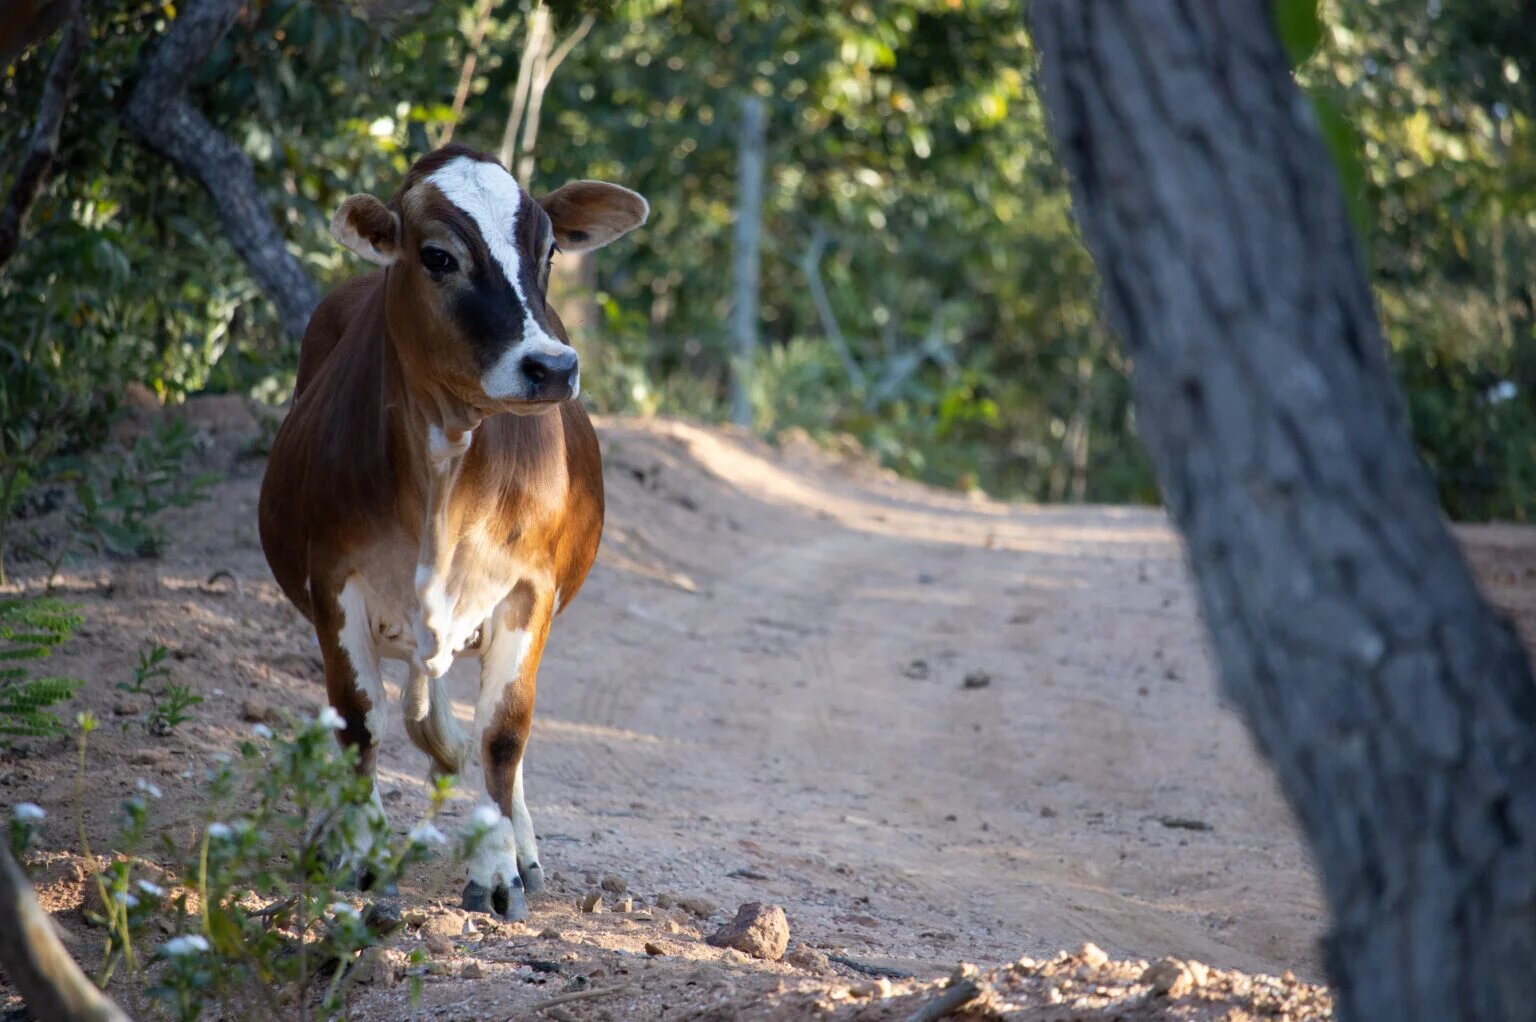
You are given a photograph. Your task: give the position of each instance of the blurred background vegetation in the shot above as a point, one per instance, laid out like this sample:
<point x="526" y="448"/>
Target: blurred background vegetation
<point x="922" y="289"/>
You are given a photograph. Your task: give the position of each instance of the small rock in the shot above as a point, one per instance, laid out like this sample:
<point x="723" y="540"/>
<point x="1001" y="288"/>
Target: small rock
<point x="550" y="933"/>
<point x="878" y="989"/>
<point x="654" y="950"/>
<point x="976" y="679"/>
<point x="436" y="968"/>
<point x="472" y="970"/>
<point x="614" y="884"/>
<point x="671" y="926"/>
<point x="1199" y="972"/>
<point x="257" y="711"/>
<point x="149" y="756"/>
<point x="701" y="907"/>
<point x="1093" y="956"/>
<point x="759" y="930"/>
<point x="1168" y="977"/>
<point x="803" y="957"/>
<point x="592" y="901"/>
<point x="625" y="904"/>
<point x="445" y="923"/>
<point x="439" y="945"/>
<point x="126" y="708"/>
<point x="665" y="901"/>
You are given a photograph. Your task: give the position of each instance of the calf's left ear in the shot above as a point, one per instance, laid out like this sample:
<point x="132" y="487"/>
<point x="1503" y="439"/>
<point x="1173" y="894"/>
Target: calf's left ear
<point x="590" y="214"/>
<point x="369" y="228"/>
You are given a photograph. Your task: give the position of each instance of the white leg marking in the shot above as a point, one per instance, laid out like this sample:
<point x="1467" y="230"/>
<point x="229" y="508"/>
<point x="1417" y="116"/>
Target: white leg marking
<point x="495" y="859"/>
<point x="522" y="829"/>
<point x="356" y="639"/>
<point x="497" y="855"/>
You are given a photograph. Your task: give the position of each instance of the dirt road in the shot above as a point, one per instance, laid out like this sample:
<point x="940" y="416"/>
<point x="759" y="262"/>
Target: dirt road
<point x="933" y="729"/>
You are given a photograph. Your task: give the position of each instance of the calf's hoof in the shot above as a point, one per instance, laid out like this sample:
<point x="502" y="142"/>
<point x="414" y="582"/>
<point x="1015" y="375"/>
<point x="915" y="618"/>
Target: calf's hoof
<point x="502" y="900"/>
<point x="533" y="877"/>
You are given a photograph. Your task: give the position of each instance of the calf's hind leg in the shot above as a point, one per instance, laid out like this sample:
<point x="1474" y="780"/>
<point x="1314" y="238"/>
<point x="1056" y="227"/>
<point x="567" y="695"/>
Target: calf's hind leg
<point x="505" y="865"/>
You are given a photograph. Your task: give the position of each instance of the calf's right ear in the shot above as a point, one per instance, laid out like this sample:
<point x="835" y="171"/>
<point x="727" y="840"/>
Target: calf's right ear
<point x="369" y="228"/>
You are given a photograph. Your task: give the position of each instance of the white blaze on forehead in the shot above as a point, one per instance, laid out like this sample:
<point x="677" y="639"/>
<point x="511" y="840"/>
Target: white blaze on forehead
<point x="491" y="197"/>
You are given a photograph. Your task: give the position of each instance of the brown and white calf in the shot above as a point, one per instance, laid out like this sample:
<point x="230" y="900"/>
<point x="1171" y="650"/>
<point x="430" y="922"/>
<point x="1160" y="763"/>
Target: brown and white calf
<point x="436" y="490"/>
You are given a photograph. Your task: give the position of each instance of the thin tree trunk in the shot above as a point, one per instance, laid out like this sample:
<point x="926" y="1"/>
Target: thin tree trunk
<point x="535" y="43"/>
<point x="164" y="119"/>
<point x="746" y="241"/>
<point x="482" y="20"/>
<point x="36" y="962"/>
<point x="1399" y="711"/>
<point x="43" y="143"/>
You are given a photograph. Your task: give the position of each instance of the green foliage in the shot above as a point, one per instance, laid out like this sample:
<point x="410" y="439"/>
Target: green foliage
<point x="169" y="702"/>
<point x="31" y="629"/>
<point x="909" y="133"/>
<point x="120" y="493"/>
<point x="259" y="909"/>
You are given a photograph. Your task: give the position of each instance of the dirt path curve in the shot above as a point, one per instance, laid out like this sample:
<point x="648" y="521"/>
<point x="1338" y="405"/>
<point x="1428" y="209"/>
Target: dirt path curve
<point x="932" y="729"/>
<point x="805" y="715"/>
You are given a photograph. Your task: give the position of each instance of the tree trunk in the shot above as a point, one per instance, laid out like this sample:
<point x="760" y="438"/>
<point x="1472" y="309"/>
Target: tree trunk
<point x="36" y="962"/>
<point x="164" y="119"/>
<point x="43" y="143"/>
<point x="1399" y="711"/>
<point x="746" y="244"/>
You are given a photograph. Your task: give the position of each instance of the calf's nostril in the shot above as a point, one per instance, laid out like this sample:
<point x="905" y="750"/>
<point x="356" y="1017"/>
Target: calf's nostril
<point x="536" y="371"/>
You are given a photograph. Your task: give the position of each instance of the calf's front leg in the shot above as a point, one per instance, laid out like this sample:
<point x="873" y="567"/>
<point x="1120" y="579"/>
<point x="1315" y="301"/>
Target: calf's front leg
<point x="354" y="687"/>
<point x="505" y="864"/>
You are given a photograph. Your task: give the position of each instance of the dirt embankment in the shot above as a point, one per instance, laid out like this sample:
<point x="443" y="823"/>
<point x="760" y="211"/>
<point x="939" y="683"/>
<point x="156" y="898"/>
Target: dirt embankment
<point x="934" y="730"/>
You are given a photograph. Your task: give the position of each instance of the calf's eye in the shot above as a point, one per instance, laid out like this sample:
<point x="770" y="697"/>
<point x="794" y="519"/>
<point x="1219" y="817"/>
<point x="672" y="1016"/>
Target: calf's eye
<point x="437" y="261"/>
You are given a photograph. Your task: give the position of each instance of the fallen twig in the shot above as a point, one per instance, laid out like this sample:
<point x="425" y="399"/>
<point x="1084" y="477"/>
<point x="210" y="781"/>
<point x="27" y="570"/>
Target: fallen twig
<point x="957" y="996"/>
<point x="580" y="995"/>
<point x="869" y="970"/>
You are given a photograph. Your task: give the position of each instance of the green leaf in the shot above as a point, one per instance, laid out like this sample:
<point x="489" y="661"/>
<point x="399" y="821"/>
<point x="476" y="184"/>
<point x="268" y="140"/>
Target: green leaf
<point x="1300" y="28"/>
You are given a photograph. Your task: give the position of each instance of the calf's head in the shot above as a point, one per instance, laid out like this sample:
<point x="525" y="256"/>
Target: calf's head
<point x="467" y="254"/>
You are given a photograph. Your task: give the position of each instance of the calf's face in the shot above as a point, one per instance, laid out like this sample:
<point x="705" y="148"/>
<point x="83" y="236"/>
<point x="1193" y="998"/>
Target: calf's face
<point x="468" y="254"/>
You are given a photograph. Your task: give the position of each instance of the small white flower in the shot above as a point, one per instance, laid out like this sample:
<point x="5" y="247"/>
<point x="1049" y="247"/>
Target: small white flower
<point x="149" y="788"/>
<point x="427" y="833"/>
<point x="331" y="720"/>
<point x="1502" y="391"/>
<point x="186" y="944"/>
<point x="125" y="898"/>
<point x="341" y="908"/>
<point x="486" y="816"/>
<point x="219" y="831"/>
<point x="28" y="812"/>
<point x="154" y="890"/>
<point x="262" y="731"/>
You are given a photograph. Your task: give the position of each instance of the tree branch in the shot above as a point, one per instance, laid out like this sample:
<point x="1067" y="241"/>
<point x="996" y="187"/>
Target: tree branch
<point x="37" y="157"/>
<point x="35" y="960"/>
<point x="810" y="265"/>
<point x="164" y="119"/>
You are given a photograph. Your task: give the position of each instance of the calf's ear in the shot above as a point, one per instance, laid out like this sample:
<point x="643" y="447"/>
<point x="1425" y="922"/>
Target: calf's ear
<point x="369" y="228"/>
<point x="590" y="214"/>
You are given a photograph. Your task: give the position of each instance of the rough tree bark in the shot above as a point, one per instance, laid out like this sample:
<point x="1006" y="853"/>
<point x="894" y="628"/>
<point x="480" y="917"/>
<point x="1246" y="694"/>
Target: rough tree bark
<point x="163" y="117"/>
<point x="1399" y="711"/>
<point x="36" y="962"/>
<point x="43" y="143"/>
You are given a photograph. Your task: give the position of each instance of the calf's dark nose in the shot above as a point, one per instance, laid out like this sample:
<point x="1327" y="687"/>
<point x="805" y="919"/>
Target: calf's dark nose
<point x="550" y="375"/>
